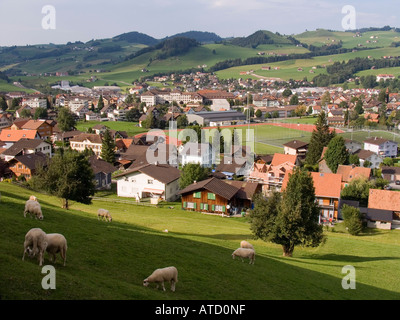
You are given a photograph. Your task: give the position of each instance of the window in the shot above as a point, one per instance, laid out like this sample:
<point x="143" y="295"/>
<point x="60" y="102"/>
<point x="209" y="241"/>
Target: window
<point x="211" y="196"/>
<point x="219" y="208"/>
<point x="150" y="181"/>
<point x="197" y="195"/>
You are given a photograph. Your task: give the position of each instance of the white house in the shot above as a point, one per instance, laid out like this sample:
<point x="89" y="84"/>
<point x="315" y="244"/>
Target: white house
<point x="193" y="152"/>
<point x="149" y="180"/>
<point x="382" y="147"/>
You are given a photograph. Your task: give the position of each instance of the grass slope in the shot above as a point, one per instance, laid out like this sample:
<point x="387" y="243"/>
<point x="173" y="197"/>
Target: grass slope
<point x="110" y="260"/>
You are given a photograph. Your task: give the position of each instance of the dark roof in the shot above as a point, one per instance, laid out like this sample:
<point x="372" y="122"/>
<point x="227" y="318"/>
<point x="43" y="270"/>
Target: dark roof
<point x="295" y="144"/>
<point x="100" y="165"/>
<point x="31" y="160"/>
<point x="161" y="172"/>
<point x="363" y="154"/>
<point x="22" y="144"/>
<point x="379" y="215"/>
<point x="246" y="189"/>
<point x="214" y="185"/>
<point x="390" y="170"/>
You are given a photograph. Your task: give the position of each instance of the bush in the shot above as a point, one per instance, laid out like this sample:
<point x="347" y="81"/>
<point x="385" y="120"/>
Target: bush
<point x="352" y="220"/>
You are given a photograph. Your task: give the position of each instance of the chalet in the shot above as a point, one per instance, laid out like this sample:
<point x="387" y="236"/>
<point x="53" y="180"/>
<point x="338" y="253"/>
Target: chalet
<point x="25" y="165"/>
<point x="102" y="172"/>
<point x="382" y="147"/>
<point x="217" y="196"/>
<point x="5" y="120"/>
<point x="352" y="145"/>
<point x="365" y="155"/>
<point x="149" y="180"/>
<point x="385" y="200"/>
<point x="296" y="147"/>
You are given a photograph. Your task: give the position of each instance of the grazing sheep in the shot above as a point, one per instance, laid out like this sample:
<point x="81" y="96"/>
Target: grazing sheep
<point x="56" y="242"/>
<point x="245" y="244"/>
<point x="33" y="198"/>
<point x="35" y="244"/>
<point x="103" y="213"/>
<point x="245" y="253"/>
<point x="160" y="275"/>
<point x="33" y="207"/>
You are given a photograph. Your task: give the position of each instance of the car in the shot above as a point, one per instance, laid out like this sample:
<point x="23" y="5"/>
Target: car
<point x="397" y="182"/>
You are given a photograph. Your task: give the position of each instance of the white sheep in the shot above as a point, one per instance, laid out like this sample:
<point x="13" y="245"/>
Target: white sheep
<point x="245" y="253"/>
<point x="104" y="214"/>
<point x="245" y="244"/>
<point x="35" y="244"/>
<point x="56" y="243"/>
<point x="164" y="274"/>
<point x="33" y="207"/>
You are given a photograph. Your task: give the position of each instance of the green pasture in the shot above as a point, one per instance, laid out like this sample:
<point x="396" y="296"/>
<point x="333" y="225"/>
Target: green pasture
<point x="131" y="128"/>
<point x="108" y="261"/>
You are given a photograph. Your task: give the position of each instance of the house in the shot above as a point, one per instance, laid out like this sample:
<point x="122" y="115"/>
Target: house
<point x="271" y="176"/>
<point x="327" y="193"/>
<point x="217" y="196"/>
<point x="386" y="200"/>
<point x="102" y="172"/>
<point x="27" y="146"/>
<point x="365" y="155"/>
<point x="43" y="128"/>
<point x="87" y="141"/>
<point x="193" y="152"/>
<point x="149" y="180"/>
<point x="296" y="147"/>
<point x="353" y="172"/>
<point x="6" y="120"/>
<point x="11" y="136"/>
<point x="391" y="173"/>
<point x="25" y="165"/>
<point x="352" y="145"/>
<point x="382" y="147"/>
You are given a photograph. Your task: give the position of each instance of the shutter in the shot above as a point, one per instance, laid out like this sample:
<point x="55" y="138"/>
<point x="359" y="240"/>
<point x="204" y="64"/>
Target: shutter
<point x="201" y="206"/>
<point x="213" y="207"/>
<point x="194" y="205"/>
<point x="185" y="204"/>
<point x="223" y="208"/>
<point x="206" y="206"/>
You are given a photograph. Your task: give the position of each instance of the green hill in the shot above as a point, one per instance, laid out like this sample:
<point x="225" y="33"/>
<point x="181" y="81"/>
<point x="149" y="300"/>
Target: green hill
<point x="110" y="260"/>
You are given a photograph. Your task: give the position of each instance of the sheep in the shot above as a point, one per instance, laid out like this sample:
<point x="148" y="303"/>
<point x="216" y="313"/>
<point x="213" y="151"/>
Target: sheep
<point x="245" y="244"/>
<point x="245" y="253"/>
<point x="33" y="198"/>
<point x="103" y="213"/>
<point x="56" y="242"/>
<point x="33" y="207"/>
<point x="164" y="274"/>
<point x="35" y="243"/>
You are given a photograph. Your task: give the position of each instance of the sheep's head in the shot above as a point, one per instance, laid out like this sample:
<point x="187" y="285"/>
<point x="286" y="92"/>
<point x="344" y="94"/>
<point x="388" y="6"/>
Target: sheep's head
<point x="145" y="282"/>
<point x="30" y="252"/>
<point x="40" y="217"/>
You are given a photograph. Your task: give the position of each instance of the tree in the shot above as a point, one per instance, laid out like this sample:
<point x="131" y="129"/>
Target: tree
<point x="182" y="121"/>
<point x="294" y="100"/>
<point x="100" y="104"/>
<point x="320" y="138"/>
<point x="65" y="120"/>
<point x="336" y="153"/>
<point x="133" y="115"/>
<point x="3" y="104"/>
<point x="352" y="219"/>
<point x="192" y="172"/>
<point x="287" y="93"/>
<point x="290" y="219"/>
<point x="258" y="113"/>
<point x="358" y="190"/>
<point x="40" y="113"/>
<point x="108" y="147"/>
<point x="359" y="107"/>
<point x="68" y="176"/>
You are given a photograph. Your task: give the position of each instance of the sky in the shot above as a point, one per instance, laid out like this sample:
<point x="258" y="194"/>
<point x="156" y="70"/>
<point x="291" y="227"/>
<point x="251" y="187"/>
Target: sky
<point x="25" y="22"/>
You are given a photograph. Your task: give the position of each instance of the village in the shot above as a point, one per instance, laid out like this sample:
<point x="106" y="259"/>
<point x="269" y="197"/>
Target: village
<point x="30" y="134"/>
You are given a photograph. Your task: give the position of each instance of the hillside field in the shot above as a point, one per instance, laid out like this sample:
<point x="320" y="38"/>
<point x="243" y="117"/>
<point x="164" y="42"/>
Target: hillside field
<point x="110" y="260"/>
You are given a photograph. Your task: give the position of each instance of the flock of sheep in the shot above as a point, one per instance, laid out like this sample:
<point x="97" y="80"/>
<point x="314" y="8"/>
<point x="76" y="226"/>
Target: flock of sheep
<point x="37" y="242"/>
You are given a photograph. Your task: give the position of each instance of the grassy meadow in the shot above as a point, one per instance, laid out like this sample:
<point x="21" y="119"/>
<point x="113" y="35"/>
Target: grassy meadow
<point x="110" y="260"/>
